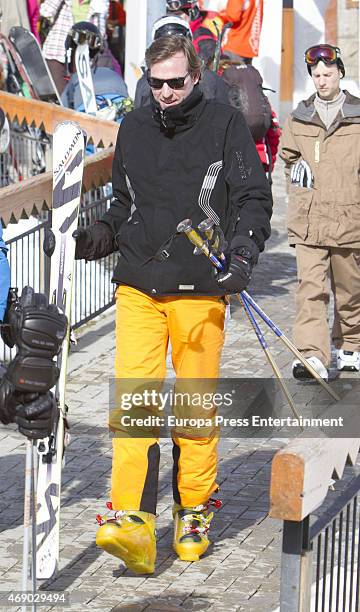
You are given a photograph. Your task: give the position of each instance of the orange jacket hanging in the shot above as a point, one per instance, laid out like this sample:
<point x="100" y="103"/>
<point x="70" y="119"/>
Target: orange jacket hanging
<point x="244" y="37"/>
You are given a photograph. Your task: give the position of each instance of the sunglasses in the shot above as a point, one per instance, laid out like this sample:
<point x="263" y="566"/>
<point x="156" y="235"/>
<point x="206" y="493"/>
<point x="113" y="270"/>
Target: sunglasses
<point x="322" y="53"/>
<point x="175" y="83"/>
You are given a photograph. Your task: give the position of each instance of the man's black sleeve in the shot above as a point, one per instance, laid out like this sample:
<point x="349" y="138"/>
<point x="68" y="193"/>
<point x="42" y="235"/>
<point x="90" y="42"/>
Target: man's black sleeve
<point x="249" y="190"/>
<point x="120" y="207"/>
<point x="100" y="238"/>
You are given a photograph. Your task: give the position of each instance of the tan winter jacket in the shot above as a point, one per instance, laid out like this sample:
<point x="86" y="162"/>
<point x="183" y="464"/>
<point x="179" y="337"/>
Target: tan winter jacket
<point x="328" y="214"/>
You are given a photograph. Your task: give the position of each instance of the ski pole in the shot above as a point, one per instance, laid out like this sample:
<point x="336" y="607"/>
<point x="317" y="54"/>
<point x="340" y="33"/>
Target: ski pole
<point x="186" y="227"/>
<point x="207" y="227"/>
<point x="270" y="358"/>
<point x="220" y="36"/>
<point x="277" y="331"/>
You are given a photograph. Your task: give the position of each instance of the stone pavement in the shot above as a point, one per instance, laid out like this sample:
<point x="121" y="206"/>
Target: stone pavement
<point x="241" y="571"/>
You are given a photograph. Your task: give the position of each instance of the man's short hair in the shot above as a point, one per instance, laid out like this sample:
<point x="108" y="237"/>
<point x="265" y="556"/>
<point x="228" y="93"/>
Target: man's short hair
<point x="167" y="46"/>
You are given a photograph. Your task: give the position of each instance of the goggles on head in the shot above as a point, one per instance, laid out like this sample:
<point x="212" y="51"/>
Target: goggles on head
<point x="81" y="37"/>
<point x="322" y="53"/>
<point x="179" y="5"/>
<point x="175" y="83"/>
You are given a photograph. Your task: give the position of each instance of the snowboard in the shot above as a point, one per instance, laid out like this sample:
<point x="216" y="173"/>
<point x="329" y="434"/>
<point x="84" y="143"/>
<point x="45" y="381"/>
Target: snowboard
<point x="35" y="65"/>
<point x="17" y="80"/>
<point x="68" y="161"/>
<point x="83" y="69"/>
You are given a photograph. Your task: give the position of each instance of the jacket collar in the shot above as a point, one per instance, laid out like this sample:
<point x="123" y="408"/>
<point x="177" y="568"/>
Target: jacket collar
<point x="350" y="112"/>
<point x="180" y="117"/>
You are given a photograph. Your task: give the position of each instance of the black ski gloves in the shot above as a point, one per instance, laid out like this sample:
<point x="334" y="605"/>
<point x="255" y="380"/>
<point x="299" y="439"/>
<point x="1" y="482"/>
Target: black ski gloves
<point x="34" y="413"/>
<point x="94" y="242"/>
<point x="83" y="242"/>
<point x="37" y="329"/>
<point x="243" y="256"/>
<point x="36" y="418"/>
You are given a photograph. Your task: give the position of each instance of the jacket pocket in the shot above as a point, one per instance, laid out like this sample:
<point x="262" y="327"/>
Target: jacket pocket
<point x="300" y="199"/>
<point x="348" y="230"/>
<point x="132" y="241"/>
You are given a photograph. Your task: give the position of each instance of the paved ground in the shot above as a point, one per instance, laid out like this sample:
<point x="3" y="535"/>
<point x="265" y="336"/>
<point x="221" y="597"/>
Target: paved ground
<point x="242" y="569"/>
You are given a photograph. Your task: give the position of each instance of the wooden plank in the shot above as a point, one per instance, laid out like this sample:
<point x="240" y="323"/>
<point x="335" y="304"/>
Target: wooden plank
<point x="32" y="195"/>
<point x="287" y="56"/>
<point x="303" y="471"/>
<point x="42" y="114"/>
<point x="301" y="474"/>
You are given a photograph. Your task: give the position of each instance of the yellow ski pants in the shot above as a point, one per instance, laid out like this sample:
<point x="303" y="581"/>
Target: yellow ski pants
<point x="144" y="325"/>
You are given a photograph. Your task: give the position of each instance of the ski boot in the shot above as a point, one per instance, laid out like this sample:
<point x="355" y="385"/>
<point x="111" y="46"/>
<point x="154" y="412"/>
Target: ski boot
<point x="129" y="535"/>
<point x="348" y="360"/>
<point x="191" y="530"/>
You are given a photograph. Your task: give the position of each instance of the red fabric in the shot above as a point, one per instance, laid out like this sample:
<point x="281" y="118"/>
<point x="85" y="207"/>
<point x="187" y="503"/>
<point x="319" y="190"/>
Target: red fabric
<point x="196" y="26"/>
<point x="33" y="10"/>
<point x="270" y="143"/>
<point x="117" y="13"/>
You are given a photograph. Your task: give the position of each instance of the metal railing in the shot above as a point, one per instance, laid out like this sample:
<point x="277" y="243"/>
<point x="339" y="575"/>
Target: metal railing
<point x="93" y="291"/>
<point x="28" y="154"/>
<point x="321" y="558"/>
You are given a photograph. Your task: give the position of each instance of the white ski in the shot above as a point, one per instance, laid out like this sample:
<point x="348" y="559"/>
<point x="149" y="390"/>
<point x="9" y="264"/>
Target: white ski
<point x="68" y="161"/>
<point x="82" y="63"/>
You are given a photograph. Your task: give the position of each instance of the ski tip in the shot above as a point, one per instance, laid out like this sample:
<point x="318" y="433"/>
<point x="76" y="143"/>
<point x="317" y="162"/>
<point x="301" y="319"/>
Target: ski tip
<point x="72" y="127"/>
<point x="67" y="124"/>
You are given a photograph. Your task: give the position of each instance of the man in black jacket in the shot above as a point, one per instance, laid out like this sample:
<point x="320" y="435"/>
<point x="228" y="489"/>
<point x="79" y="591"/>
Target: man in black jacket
<point x="182" y="157"/>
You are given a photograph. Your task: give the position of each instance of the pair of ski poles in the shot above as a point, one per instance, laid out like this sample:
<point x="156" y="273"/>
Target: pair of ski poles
<point x="214" y="253"/>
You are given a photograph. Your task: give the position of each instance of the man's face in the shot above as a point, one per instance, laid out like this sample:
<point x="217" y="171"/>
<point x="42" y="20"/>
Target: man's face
<point x="173" y="67"/>
<point x="326" y="80"/>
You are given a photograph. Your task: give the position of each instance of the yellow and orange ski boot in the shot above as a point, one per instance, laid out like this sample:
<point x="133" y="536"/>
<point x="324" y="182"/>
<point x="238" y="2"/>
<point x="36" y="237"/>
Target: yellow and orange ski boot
<point x="129" y="535"/>
<point x="191" y="526"/>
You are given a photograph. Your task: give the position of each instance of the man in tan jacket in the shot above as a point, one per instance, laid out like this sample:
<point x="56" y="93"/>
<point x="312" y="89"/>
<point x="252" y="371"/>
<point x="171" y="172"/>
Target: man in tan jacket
<point x="320" y="145"/>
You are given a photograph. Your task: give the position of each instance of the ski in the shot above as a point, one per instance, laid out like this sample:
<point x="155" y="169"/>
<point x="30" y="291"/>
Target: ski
<point x="83" y="69"/>
<point x="35" y="65"/>
<point x="68" y="152"/>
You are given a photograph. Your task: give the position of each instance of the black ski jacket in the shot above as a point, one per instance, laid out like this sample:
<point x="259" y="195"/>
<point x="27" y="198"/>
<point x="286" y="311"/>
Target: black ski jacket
<point x="194" y="160"/>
